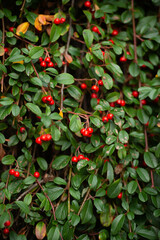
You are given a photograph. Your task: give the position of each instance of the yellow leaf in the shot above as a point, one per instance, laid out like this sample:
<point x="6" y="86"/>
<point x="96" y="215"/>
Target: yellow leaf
<point x="22" y="28"/>
<point x="42" y="19"/>
<point x="96" y="7"/>
<point x="68" y="58"/>
<point x="2" y="51"/>
<point x="37" y="24"/>
<point x="60" y="112"/>
<point x="20" y="62"/>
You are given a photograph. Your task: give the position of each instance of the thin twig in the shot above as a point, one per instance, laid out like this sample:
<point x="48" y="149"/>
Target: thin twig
<point x="146" y="139"/>
<point x="68" y="186"/>
<point x="22" y="9"/>
<point x="43" y="89"/>
<point x="140" y="189"/>
<point x="84" y="200"/>
<point x="152" y="179"/>
<point x="3" y="58"/>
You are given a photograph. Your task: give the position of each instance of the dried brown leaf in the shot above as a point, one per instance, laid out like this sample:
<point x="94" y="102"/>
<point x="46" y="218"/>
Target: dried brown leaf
<point x="38" y="25"/>
<point x="2" y="152"/>
<point x="68" y="58"/>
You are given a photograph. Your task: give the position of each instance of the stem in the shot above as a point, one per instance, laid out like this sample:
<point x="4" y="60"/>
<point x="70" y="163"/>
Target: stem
<point x="43" y="89"/>
<point x="3" y="58"/>
<point x="85" y="199"/>
<point x="146" y="139"/>
<point x="139" y="186"/>
<point x="152" y="179"/>
<point x="22" y="9"/>
<point x="66" y="51"/>
<point x="68" y="185"/>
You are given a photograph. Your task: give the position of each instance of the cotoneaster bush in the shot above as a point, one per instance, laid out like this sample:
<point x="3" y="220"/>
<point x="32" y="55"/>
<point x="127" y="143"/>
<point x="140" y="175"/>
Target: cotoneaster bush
<point x="80" y="123"/>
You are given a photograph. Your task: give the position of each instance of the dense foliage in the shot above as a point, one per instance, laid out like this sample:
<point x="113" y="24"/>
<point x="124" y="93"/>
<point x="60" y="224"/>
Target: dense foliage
<point x="80" y="123"/>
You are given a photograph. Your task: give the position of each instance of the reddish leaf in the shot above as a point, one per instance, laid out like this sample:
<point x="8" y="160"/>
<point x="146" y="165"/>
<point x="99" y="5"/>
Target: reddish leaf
<point x="40" y="230"/>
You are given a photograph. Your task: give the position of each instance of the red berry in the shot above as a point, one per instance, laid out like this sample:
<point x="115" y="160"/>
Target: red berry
<point x="74" y="159"/>
<point x="48" y="137"/>
<point x="36" y="174"/>
<point x="51" y="102"/>
<point x="62" y="20"/>
<point x="105" y="119"/>
<point x="95" y="29"/>
<point x="43" y="137"/>
<point x="43" y="64"/>
<point x="147" y="124"/>
<point x="47" y="59"/>
<point x="98" y="100"/>
<point x="57" y="21"/>
<point x="5" y="230"/>
<point x="143" y="66"/>
<point x="50" y="64"/>
<point x="40" y="59"/>
<point x="110" y="40"/>
<point x="22" y="130"/>
<point x="90" y="130"/>
<point x="86" y="158"/>
<point x="103" y="53"/>
<point x="16" y="174"/>
<point x="95" y="88"/>
<point x="87" y="4"/>
<point x="82" y="131"/>
<point x="44" y="99"/>
<point x="114" y="33"/>
<point x="6" y="50"/>
<point x="11" y="171"/>
<point x="123" y="59"/>
<point x="7" y="223"/>
<point x="123" y="103"/>
<point x="143" y="101"/>
<point x="103" y="18"/>
<point x="119" y="196"/>
<point x="106" y="160"/>
<point x="83" y="86"/>
<point x="110" y="116"/>
<point x="135" y="94"/>
<point x="49" y="98"/>
<point x="125" y="145"/>
<point x="156" y="99"/>
<point x="119" y="101"/>
<point x="100" y="82"/>
<point x="11" y="29"/>
<point x="80" y="157"/>
<point x="38" y="140"/>
<point x="94" y="95"/>
<point x="86" y="133"/>
<point x="128" y="53"/>
<point x="112" y="104"/>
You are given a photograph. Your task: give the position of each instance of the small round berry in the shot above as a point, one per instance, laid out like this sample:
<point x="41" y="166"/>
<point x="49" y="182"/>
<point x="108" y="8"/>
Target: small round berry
<point x="98" y="100"/>
<point x="22" y="129"/>
<point x="119" y="195"/>
<point x="51" y="102"/>
<point x="95" y="29"/>
<point x="100" y="82"/>
<point x="48" y="137"/>
<point x="80" y="157"/>
<point x="103" y="18"/>
<point x="86" y="158"/>
<point x="94" y="95"/>
<point x="156" y="99"/>
<point x="11" y="29"/>
<point x="135" y="94"/>
<point x="90" y="130"/>
<point x="112" y="104"/>
<point x="123" y="103"/>
<point x="7" y="223"/>
<point x="11" y="171"/>
<point x="50" y="64"/>
<point x="86" y="133"/>
<point x="74" y="159"/>
<point x="103" y="53"/>
<point x="125" y="145"/>
<point x="38" y="117"/>
<point x="82" y="131"/>
<point x="128" y="53"/>
<point x="6" y="50"/>
<point x="62" y="20"/>
<point x="123" y="59"/>
<point x="106" y="160"/>
<point x="95" y="88"/>
<point x="119" y="101"/>
<point x="83" y="86"/>
<point x="143" y="101"/>
<point x="38" y="140"/>
<point x="143" y="66"/>
<point x="110" y="40"/>
<point x="105" y="119"/>
<point x="146" y="124"/>
<point x="57" y="21"/>
<point x="16" y="174"/>
<point x="43" y="64"/>
<point x="110" y="116"/>
<point x="43" y="137"/>
<point x="40" y="59"/>
<point x="115" y="33"/>
<point x="36" y="174"/>
<point x="49" y="98"/>
<point x="44" y="99"/>
<point x="47" y="59"/>
<point x="87" y="4"/>
<point x="6" y="231"/>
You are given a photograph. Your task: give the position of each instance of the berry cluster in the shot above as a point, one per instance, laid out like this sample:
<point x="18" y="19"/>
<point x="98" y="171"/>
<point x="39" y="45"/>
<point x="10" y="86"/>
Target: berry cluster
<point x="48" y="99"/>
<point x="80" y="157"/>
<point x="107" y="118"/>
<point x="121" y="102"/>
<point x="6" y="224"/>
<point x="44" y="138"/>
<point x="87" y="132"/>
<point x="96" y="30"/>
<point x="58" y="21"/>
<point x="13" y="172"/>
<point x="46" y="62"/>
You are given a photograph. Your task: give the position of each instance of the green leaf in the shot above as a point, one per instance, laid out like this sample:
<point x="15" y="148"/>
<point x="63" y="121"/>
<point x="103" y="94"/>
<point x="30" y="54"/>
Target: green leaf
<point x="6" y="101"/>
<point x="117" y="224"/>
<point x="7" y="160"/>
<point x="75" y="92"/>
<point x="56" y="134"/>
<point x="114" y="68"/>
<point x="15" y="110"/>
<point x="36" y="81"/>
<point x="54" y="192"/>
<point x="112" y="97"/>
<point x="88" y="15"/>
<point x="95" y="121"/>
<point x="34" y="108"/>
<point x="59" y="181"/>
<point x="114" y="189"/>
<point x="134" y="69"/>
<point x="150" y="160"/>
<point x="126" y="16"/>
<point x="53" y="233"/>
<point x="74" y="193"/>
<point x="143" y="174"/>
<point x="29" y="180"/>
<point x="64" y="78"/>
<point x="142" y="116"/>
<point x="61" y="162"/>
<point x="61" y="211"/>
<point x="18" y="67"/>
<point x="36" y="52"/>
<point x="107" y="81"/>
<point x="75" y="219"/>
<point x="75" y="124"/>
<point x="110" y="139"/>
<point x="81" y="164"/>
<point x="146" y="233"/>
<point x="123" y="136"/>
<point x="55" y="32"/>
<point x="88" y="37"/>
<point x="87" y="212"/>
<point x="2" y="138"/>
<point x="92" y="181"/>
<point x="132" y="187"/>
<point x="23" y="206"/>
